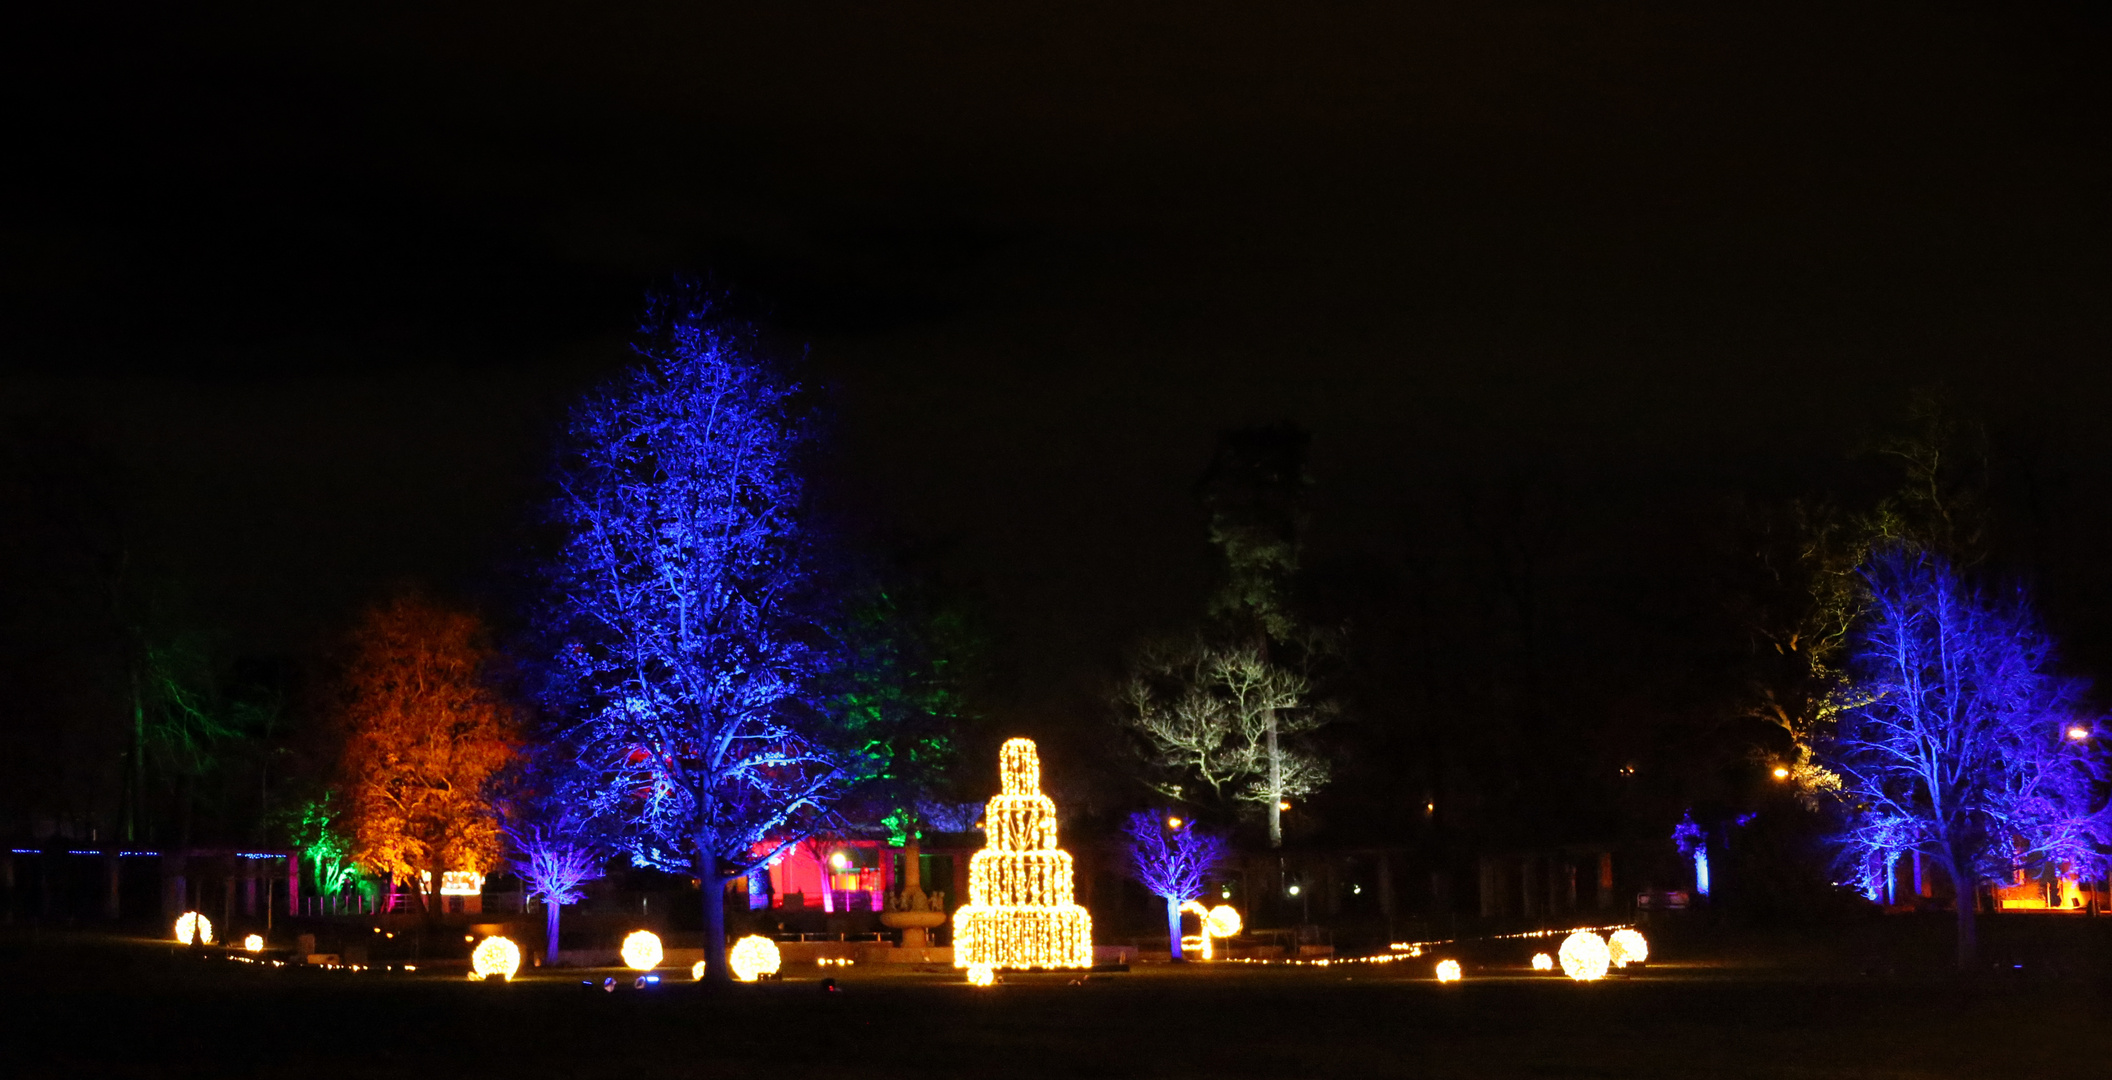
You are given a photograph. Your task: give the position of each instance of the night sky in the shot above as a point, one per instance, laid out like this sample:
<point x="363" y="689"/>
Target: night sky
<point x="325" y="276"/>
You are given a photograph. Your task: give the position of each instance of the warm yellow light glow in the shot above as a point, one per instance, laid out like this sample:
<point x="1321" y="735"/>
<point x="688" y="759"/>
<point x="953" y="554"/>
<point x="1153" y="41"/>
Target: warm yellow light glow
<point x="1173" y="823"/>
<point x="641" y="950"/>
<point x="1584" y="956"/>
<point x="1781" y="772"/>
<point x="1448" y="971"/>
<point x="1223" y="921"/>
<point x="753" y="957"/>
<point x="2078" y="733"/>
<point x="1022" y="910"/>
<point x="191" y="922"/>
<point x="839" y="860"/>
<point x="254" y="943"/>
<point x="457" y="882"/>
<point x="982" y="975"/>
<point x="1543" y="962"/>
<point x="495" y="956"/>
<point x="1627" y="947"/>
<point x="1284" y="804"/>
<point x="696" y="971"/>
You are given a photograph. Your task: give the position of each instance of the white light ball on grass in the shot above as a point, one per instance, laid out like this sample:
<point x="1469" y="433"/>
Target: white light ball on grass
<point x="495" y="956"/>
<point x="753" y="957"/>
<point x="1223" y="921"/>
<point x="641" y="950"/>
<point x="696" y="971"/>
<point x="1543" y="962"/>
<point x="254" y="943"/>
<point x="193" y="923"/>
<point x="1447" y="971"/>
<point x="981" y="975"/>
<point x="1584" y="956"/>
<point x="1627" y="947"/>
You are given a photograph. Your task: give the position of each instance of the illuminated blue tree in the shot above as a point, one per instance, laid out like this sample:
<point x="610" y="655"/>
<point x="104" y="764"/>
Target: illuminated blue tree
<point x="685" y="655"/>
<point x="1172" y="859"/>
<point x="1957" y="741"/>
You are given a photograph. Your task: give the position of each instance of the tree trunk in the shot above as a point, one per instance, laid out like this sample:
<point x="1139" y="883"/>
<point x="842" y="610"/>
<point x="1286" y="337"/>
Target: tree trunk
<point x="714" y="890"/>
<point x="1173" y="927"/>
<point x="1968" y="923"/>
<point x="550" y="932"/>
<point x="1275" y="786"/>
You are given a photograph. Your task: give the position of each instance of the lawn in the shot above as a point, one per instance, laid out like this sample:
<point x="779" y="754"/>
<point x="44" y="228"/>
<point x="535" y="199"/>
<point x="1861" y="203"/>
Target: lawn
<point x="1775" y="1005"/>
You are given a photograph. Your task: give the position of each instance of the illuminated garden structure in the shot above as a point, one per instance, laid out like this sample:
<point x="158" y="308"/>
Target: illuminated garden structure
<point x="1021" y="910"/>
<point x="1172" y="858"/>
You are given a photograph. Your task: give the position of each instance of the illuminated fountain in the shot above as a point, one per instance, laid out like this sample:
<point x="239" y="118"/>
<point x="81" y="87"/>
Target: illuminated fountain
<point x="1022" y="910"/>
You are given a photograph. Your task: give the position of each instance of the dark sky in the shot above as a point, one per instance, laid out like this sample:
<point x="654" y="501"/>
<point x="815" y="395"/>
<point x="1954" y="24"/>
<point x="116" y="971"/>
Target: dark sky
<point x="325" y="274"/>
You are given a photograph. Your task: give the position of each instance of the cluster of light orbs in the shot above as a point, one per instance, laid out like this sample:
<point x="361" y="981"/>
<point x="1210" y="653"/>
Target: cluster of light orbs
<point x="753" y="957"/>
<point x="495" y="955"/>
<point x="1543" y="962"/>
<point x="254" y="943"/>
<point x="1627" y="947"/>
<point x="982" y="975"/>
<point x="641" y="950"/>
<point x="193" y="924"/>
<point x="1585" y="956"/>
<point x="1448" y="971"/>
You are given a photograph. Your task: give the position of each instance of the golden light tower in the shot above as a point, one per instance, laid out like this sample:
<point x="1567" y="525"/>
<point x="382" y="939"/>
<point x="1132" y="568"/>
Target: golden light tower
<point x="1022" y="910"/>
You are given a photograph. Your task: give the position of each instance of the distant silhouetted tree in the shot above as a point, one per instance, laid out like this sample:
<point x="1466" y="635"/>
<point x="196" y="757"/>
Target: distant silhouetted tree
<point x="425" y="734"/>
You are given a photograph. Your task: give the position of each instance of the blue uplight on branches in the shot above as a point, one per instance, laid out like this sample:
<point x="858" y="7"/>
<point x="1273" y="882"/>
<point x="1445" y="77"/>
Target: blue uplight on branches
<point x="685" y="662"/>
<point x="1954" y="741"/>
<point x="1172" y="859"/>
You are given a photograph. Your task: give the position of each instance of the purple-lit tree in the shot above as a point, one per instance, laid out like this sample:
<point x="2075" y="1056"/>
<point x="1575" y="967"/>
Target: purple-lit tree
<point x="1956" y="741"/>
<point x="1172" y="859"/>
<point x="685" y="653"/>
<point x="556" y="856"/>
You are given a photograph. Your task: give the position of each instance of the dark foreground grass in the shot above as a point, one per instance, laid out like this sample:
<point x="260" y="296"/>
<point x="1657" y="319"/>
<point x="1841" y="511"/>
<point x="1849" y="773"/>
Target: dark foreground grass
<point x="1751" y="1007"/>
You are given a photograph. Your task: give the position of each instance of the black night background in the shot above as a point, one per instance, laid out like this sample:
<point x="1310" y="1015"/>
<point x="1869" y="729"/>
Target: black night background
<point x="1577" y="302"/>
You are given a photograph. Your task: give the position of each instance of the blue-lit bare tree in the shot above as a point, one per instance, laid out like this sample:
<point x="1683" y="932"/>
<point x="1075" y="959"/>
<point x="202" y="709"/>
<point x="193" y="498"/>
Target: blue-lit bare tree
<point x="1957" y="742"/>
<point x="685" y="656"/>
<point x="557" y="848"/>
<point x="1172" y="859"/>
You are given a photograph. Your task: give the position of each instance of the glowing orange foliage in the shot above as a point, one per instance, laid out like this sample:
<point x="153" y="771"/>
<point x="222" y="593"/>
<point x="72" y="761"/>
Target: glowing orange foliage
<point x="424" y="736"/>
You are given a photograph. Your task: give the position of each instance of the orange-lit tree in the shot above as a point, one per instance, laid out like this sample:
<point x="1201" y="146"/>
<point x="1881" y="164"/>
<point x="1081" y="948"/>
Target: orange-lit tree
<point x="425" y="734"/>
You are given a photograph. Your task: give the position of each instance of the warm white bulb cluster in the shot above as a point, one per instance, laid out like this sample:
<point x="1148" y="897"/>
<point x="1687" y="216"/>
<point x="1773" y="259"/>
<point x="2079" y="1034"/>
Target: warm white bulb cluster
<point x="1022" y="910"/>
<point x="1627" y="947"/>
<point x="1543" y="962"/>
<point x="1221" y="921"/>
<point x="254" y="943"/>
<point x="495" y="956"/>
<point x="982" y="975"/>
<point x="1585" y="956"/>
<point x="189" y="923"/>
<point x="641" y="950"/>
<point x="753" y="957"/>
<point x="1447" y="971"/>
<point x="696" y="971"/>
<point x="834" y="961"/>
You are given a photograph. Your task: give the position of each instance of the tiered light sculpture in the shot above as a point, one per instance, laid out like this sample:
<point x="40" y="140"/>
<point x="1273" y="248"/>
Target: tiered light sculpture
<point x="1627" y="946"/>
<point x="1022" y="910"/>
<point x="641" y="950"/>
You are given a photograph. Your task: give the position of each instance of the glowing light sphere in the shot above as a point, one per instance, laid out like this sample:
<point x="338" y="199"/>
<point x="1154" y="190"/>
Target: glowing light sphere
<point x="1543" y="962"/>
<point x="254" y="943"/>
<point x="193" y="923"/>
<point x="752" y="958"/>
<point x="696" y="971"/>
<point x="982" y="975"/>
<point x="1223" y="921"/>
<point x="1627" y="947"/>
<point x="1022" y="909"/>
<point x="1448" y="971"/>
<point x="641" y="950"/>
<point x="495" y="956"/>
<point x="1585" y="956"/>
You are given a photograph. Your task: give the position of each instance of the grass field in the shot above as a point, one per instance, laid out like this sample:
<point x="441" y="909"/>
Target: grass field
<point x="1866" y="1003"/>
